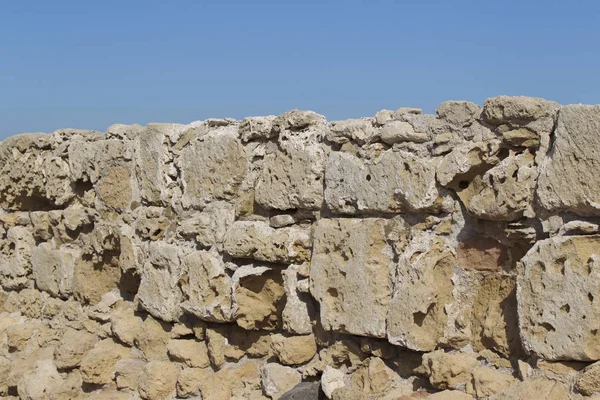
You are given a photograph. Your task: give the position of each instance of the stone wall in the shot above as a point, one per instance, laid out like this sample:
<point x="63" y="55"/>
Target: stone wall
<point x="403" y="256"/>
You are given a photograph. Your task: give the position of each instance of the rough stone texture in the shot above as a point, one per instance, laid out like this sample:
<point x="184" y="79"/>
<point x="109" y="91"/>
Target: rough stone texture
<point x="355" y="278"/>
<point x="556" y="294"/>
<point x="403" y="256"/>
<point x="395" y="181"/>
<point x="568" y="179"/>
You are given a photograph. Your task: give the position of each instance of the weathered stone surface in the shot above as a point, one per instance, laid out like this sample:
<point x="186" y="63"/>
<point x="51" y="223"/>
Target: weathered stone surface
<point x="400" y="131"/>
<point x="258" y="298"/>
<point x="568" y="180"/>
<point x="588" y="383"/>
<point x="41" y="383"/>
<point x="417" y="315"/>
<point x="487" y="381"/>
<point x="98" y="365"/>
<point x="159" y="292"/>
<point x="482" y="254"/>
<point x="303" y="391"/>
<point x="256" y="128"/>
<point x="277" y="379"/>
<point x="374" y="380"/>
<point x="556" y="294"/>
<point x="354" y="278"/>
<point x="128" y="372"/>
<point x="53" y="269"/>
<point x="292" y="178"/>
<point x="207" y="287"/>
<point x="396" y="181"/>
<point x="158" y="380"/>
<point x="15" y="257"/>
<point x="541" y="387"/>
<point x="208" y="227"/>
<point x="504" y="192"/>
<point x="298" y="306"/>
<point x="254" y="239"/>
<point x="191" y="352"/>
<point x="212" y="168"/>
<point x="331" y="380"/>
<point x="241" y="381"/>
<point x="293" y="350"/>
<point x="449" y="370"/>
<point x="190" y="380"/>
<point x="32" y="177"/>
<point x="458" y="168"/>
<point x="152" y="339"/>
<point x="72" y="348"/>
<point x="458" y="113"/>
<point x="517" y="109"/>
<point x="360" y="131"/>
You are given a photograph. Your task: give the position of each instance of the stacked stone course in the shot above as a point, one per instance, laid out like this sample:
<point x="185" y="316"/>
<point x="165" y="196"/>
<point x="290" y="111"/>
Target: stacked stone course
<point x="403" y="256"/>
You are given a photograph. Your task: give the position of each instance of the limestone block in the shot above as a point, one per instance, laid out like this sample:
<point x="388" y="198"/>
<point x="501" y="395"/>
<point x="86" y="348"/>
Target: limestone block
<point x="212" y="168"/>
<point x="53" y="269"/>
<point x="568" y="180"/>
<point x="459" y="113"/>
<point x="396" y="181"/>
<point x="207" y="287"/>
<point x="255" y="239"/>
<point x="292" y="178"/>
<point x="351" y="271"/>
<point x="158" y="380"/>
<point x="557" y="288"/>
<point x="278" y="379"/>
<point x="98" y="365"/>
<point x="293" y="350"/>
<point x="191" y="352"/>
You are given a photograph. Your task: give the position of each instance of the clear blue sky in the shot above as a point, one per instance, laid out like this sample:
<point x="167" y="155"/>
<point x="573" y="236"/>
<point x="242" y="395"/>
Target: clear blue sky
<point x="89" y="64"/>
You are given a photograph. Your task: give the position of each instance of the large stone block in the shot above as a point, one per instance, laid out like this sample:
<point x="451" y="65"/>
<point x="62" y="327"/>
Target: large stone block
<point x="394" y="182"/>
<point x="292" y="178"/>
<point x="212" y="168"/>
<point x="569" y="179"/>
<point x="557" y="291"/>
<point x="351" y="275"/>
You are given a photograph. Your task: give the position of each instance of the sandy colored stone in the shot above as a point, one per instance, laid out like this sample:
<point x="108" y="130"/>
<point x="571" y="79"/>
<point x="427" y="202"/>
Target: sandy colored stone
<point x="450" y="395"/>
<point x="465" y="162"/>
<point x="504" y="192"/>
<point x="449" y="370"/>
<point x="400" y="131"/>
<point x="16" y="248"/>
<point x="277" y="379"/>
<point x="207" y="287"/>
<point x="259" y="297"/>
<point x="331" y="380"/>
<point x="489" y="381"/>
<point x="152" y="340"/>
<point x="293" y="350"/>
<point x="535" y="388"/>
<point x="556" y="293"/>
<point x="40" y="383"/>
<point x="53" y="269"/>
<point x="354" y="277"/>
<point x="482" y="254"/>
<point x="588" y="382"/>
<point x="257" y="240"/>
<point x="374" y="379"/>
<point x="158" y="380"/>
<point x="517" y="109"/>
<point x="114" y="189"/>
<point x="241" y="381"/>
<point x="256" y="128"/>
<point x="125" y="325"/>
<point x="417" y="315"/>
<point x="92" y="279"/>
<point x="212" y="168"/>
<point x="395" y="181"/>
<point x="298" y="305"/>
<point x="458" y="113"/>
<point x="98" y="365"/>
<point x="568" y="180"/>
<point x="359" y="130"/>
<point x="209" y="226"/>
<point x="191" y="352"/>
<point x="128" y="372"/>
<point x="190" y="380"/>
<point x="72" y="348"/>
<point x="292" y="178"/>
<point x="159" y="292"/>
